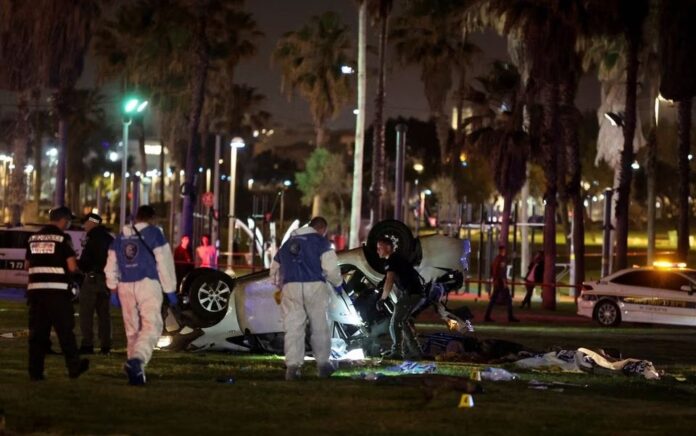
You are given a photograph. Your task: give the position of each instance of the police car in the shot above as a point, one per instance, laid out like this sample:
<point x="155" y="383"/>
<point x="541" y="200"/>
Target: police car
<point x="13" y="249"/>
<point x="221" y="312"/>
<point x="661" y="294"/>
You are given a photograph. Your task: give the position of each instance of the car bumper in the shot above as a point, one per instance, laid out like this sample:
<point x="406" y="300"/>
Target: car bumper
<point x="585" y="308"/>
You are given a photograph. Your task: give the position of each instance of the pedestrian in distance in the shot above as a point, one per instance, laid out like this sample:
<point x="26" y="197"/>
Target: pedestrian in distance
<point x="501" y="293"/>
<point x="407" y="284"/>
<point x="206" y="254"/>
<point x="138" y="269"/>
<point x="301" y="269"/>
<point x="534" y="276"/>
<point x="94" y="295"/>
<point x="50" y="260"/>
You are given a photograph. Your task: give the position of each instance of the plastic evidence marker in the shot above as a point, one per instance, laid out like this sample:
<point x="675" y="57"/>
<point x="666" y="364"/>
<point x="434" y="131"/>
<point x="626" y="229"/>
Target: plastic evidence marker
<point x="466" y="402"/>
<point x="476" y="375"/>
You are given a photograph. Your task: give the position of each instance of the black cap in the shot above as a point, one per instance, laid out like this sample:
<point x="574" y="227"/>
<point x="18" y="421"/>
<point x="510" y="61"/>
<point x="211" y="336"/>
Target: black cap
<point x="60" y="212"/>
<point x="93" y="217"/>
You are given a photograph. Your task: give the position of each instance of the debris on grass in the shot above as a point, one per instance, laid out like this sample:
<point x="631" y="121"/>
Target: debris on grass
<point x="497" y="374"/>
<point x="408" y="367"/>
<point x="15" y="334"/>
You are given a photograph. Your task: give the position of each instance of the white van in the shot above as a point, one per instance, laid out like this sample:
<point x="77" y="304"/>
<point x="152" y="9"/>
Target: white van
<point x="13" y="250"/>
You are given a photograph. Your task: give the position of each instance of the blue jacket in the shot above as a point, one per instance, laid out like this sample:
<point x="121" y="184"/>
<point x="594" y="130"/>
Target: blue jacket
<point x="300" y="258"/>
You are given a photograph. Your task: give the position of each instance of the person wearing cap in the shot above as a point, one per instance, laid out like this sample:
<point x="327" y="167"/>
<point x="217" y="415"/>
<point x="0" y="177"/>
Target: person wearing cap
<point x="139" y="267"/>
<point x="50" y="260"/>
<point x="500" y="291"/>
<point x="94" y="295"/>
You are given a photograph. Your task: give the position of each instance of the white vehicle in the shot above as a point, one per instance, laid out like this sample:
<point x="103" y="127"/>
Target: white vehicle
<point x="662" y="294"/>
<point x="13" y="250"/>
<point x="226" y="313"/>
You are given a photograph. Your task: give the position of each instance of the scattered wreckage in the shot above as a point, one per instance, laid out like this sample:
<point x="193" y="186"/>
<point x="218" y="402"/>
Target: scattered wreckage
<point x="240" y="314"/>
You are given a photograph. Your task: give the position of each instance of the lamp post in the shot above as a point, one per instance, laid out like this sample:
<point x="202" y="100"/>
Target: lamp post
<point x="235" y="144"/>
<point x="131" y="107"/>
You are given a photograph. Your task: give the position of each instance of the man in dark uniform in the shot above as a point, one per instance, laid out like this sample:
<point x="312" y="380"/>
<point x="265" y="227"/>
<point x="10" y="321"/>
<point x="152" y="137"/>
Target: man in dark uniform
<point x="94" y="294"/>
<point x="50" y="260"/>
<point x="409" y="292"/>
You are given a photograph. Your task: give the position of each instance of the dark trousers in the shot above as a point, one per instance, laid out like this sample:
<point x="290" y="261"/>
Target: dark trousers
<point x="95" y="296"/>
<point x="402" y="334"/>
<point x="528" y="296"/>
<point x="497" y="291"/>
<point x="51" y="309"/>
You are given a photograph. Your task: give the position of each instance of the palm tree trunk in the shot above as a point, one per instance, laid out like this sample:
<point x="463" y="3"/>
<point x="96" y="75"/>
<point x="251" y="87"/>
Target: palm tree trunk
<point x="683" y="162"/>
<point x="650" y="164"/>
<point x="198" y="97"/>
<point x="550" y="148"/>
<point x="356" y="199"/>
<point x="38" y="149"/>
<point x="62" y="111"/>
<point x="569" y="122"/>
<point x="505" y="223"/>
<point x="20" y="142"/>
<point x="627" y="154"/>
<point x="377" y="189"/>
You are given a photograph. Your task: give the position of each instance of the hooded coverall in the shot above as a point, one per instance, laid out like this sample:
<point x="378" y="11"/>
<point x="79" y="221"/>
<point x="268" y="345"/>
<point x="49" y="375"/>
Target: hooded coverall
<point x="137" y="274"/>
<point x="301" y="268"/>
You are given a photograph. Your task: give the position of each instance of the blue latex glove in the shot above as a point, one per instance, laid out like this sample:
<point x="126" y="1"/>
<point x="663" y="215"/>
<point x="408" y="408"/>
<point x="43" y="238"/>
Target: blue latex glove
<point x="173" y="299"/>
<point x="113" y="298"/>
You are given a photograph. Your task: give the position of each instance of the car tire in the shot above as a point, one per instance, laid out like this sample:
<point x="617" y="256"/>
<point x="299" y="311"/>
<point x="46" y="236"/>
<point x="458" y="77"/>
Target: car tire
<point x="209" y="296"/>
<point x="607" y="314"/>
<point x="404" y="243"/>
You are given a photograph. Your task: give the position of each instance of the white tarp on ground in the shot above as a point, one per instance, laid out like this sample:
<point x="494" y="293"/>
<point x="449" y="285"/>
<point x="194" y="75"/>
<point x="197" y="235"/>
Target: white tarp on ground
<point x="586" y="360"/>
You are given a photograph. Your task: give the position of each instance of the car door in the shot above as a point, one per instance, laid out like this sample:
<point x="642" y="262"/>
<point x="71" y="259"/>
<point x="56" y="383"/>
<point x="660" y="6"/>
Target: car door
<point x="635" y="293"/>
<point x="673" y="304"/>
<point x="15" y="250"/>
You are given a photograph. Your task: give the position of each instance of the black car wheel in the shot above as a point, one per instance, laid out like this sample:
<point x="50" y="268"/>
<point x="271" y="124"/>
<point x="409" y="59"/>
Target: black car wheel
<point x="607" y="314"/>
<point x="209" y="296"/>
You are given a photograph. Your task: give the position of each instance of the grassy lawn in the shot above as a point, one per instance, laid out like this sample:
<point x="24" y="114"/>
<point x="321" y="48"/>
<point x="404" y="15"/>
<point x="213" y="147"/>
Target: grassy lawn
<point x="183" y="396"/>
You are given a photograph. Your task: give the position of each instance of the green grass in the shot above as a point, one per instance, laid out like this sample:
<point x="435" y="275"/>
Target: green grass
<point x="183" y="396"/>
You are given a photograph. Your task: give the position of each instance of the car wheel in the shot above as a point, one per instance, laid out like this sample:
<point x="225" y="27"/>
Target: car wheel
<point x="209" y="296"/>
<point x="607" y="314"/>
<point x="404" y="243"/>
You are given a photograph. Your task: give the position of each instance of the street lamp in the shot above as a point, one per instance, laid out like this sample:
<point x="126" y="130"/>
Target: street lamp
<point x="131" y="107"/>
<point x="235" y="144"/>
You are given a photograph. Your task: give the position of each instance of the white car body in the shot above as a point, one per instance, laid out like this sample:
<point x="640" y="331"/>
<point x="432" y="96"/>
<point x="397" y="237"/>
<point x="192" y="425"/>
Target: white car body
<point x="646" y="295"/>
<point x="13" y="250"/>
<point x="253" y="313"/>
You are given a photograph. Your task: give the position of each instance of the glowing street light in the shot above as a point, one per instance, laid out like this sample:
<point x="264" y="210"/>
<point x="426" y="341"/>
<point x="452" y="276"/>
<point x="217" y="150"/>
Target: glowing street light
<point x="132" y="106"/>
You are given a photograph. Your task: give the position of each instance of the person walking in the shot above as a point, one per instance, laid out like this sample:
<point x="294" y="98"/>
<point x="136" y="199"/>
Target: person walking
<point x="206" y="254"/>
<point x="535" y="275"/>
<point x="401" y="276"/>
<point x="139" y="267"/>
<point x="500" y="292"/>
<point x="301" y="269"/>
<point x="50" y="260"/>
<point x="94" y="295"/>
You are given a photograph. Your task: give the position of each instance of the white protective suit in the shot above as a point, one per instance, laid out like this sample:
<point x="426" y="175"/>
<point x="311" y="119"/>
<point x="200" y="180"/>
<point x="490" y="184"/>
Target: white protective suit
<point x="140" y="281"/>
<point x="304" y="301"/>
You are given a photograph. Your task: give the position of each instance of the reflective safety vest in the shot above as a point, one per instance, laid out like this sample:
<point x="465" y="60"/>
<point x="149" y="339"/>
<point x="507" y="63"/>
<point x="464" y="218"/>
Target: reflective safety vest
<point x="48" y="251"/>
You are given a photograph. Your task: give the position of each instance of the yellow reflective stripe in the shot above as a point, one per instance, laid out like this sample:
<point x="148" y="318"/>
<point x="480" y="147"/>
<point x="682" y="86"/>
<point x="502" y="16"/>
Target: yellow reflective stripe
<point x="46" y="270"/>
<point x="47" y="285"/>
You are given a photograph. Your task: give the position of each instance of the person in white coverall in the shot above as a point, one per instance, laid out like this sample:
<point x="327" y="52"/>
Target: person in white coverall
<point x="139" y="267"/>
<point x="301" y="268"/>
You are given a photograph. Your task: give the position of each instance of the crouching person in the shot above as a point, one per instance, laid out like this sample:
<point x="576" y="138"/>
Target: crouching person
<point x="301" y="269"/>
<point x="138" y="268"/>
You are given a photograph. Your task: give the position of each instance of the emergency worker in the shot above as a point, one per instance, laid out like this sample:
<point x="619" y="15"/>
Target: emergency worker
<point x="139" y="267"/>
<point x="401" y="276"/>
<point x="94" y="294"/>
<point x="301" y="269"/>
<point x="50" y="260"/>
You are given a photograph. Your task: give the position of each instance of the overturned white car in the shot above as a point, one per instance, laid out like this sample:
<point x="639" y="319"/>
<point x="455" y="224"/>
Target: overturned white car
<point x="240" y="313"/>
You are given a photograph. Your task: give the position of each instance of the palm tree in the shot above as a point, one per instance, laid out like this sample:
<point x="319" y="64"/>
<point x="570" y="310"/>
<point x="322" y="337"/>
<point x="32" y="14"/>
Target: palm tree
<point x="678" y="69"/>
<point x="501" y="137"/>
<point x="428" y="33"/>
<point x="310" y="60"/>
<point x="356" y="197"/>
<point x="380" y="10"/>
<point x="18" y="74"/>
